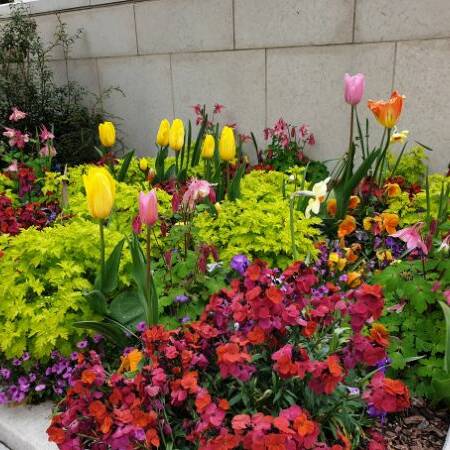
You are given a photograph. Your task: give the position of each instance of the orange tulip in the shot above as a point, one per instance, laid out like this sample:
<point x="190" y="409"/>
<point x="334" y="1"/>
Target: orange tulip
<point x="387" y="113"/>
<point x="347" y="226"/>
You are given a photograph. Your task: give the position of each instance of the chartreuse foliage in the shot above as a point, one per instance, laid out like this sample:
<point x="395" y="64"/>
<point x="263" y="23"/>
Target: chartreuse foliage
<point x="417" y="322"/>
<point x="411" y="166"/>
<point x="257" y="224"/>
<point x="414" y="209"/>
<point x="44" y="275"/>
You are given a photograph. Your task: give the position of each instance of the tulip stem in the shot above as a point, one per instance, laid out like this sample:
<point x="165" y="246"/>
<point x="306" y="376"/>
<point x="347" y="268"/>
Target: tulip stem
<point x="151" y="316"/>
<point x="102" y="251"/>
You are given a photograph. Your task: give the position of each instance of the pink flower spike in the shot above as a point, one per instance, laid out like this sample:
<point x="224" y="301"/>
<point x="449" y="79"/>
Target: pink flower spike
<point x="45" y="135"/>
<point x="354" y="88"/>
<point x="17" y="115"/>
<point x="148" y="208"/>
<point x="411" y="236"/>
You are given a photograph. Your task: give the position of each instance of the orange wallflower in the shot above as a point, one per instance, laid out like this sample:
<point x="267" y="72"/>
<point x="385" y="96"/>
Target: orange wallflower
<point x="347" y="226"/>
<point x="379" y="334"/>
<point x="303" y="425"/>
<point x="392" y="189"/>
<point x="131" y="361"/>
<point x="332" y="207"/>
<point x="390" y="222"/>
<point x="353" y="279"/>
<point x="387" y="112"/>
<point x="354" y="202"/>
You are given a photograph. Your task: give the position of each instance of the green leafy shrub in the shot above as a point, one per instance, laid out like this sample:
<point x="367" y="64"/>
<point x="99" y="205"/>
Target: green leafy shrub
<point x="44" y="275"/>
<point x="26" y="81"/>
<point x="257" y="224"/>
<point x="416" y="322"/>
<point x="412" y="166"/>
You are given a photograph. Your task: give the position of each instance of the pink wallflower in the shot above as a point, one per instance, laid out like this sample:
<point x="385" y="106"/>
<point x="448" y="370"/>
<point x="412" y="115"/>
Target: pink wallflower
<point x="411" y="236"/>
<point x="17" y="115"/>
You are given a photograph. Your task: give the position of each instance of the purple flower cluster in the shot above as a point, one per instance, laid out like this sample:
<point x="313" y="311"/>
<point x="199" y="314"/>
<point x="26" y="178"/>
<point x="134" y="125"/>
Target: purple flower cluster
<point x="239" y="263"/>
<point x="24" y="380"/>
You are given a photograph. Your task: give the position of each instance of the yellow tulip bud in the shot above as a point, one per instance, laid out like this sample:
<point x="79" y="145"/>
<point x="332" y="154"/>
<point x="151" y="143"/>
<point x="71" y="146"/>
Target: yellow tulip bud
<point x="143" y="164"/>
<point x="107" y="134"/>
<point x="162" y="138"/>
<point x="176" y="135"/>
<point x="227" y="144"/>
<point x="218" y="207"/>
<point x="100" y="192"/>
<point x="208" y="147"/>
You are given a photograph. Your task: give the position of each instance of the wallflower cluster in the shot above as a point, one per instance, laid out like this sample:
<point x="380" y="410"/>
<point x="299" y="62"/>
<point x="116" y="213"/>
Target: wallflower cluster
<point x="264" y="368"/>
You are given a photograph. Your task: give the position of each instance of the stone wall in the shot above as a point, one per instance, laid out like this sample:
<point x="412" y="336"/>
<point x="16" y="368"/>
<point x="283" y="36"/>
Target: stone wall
<point x="261" y="58"/>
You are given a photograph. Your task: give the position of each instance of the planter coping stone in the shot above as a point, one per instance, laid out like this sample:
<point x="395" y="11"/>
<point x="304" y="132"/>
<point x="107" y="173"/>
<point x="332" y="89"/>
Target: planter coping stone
<point x="23" y="427"/>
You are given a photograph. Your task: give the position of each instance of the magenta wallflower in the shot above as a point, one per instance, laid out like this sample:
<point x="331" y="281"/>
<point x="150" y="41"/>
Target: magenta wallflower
<point x="411" y="236"/>
<point x="148" y="208"/>
<point x="354" y="88"/>
<point x="17" y="114"/>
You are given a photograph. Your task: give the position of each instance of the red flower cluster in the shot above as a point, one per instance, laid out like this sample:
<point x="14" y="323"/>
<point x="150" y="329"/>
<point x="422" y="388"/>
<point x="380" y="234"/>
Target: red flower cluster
<point x="12" y="219"/>
<point x="240" y="377"/>
<point x="387" y="395"/>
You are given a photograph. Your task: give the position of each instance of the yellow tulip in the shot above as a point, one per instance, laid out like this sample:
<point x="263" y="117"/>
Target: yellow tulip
<point x="208" y="147"/>
<point x="100" y="192"/>
<point x="107" y="134"/>
<point x="176" y="135"/>
<point x="227" y="144"/>
<point x="162" y="138"/>
<point x="143" y="164"/>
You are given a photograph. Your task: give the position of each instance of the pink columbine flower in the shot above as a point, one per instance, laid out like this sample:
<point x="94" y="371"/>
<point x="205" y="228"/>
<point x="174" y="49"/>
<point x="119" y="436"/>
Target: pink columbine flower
<point x="411" y="236"/>
<point x="47" y="151"/>
<point x="218" y="108"/>
<point x="354" y="88"/>
<point x="447" y="296"/>
<point x="13" y="167"/>
<point x="17" y="115"/>
<point x="197" y="109"/>
<point x="16" y="137"/>
<point x="197" y="190"/>
<point x="45" y="134"/>
<point x="148" y="208"/>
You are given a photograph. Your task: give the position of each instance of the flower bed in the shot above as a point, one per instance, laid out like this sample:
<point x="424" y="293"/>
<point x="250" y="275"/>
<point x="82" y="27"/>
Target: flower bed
<point x="239" y="307"/>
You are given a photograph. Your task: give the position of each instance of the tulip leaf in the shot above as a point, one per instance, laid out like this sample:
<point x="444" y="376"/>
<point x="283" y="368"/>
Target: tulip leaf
<point x="170" y="172"/>
<point x="110" y="331"/>
<point x="97" y="302"/>
<point x="138" y="263"/>
<point x="198" y="141"/>
<point x="127" y="309"/>
<point x="111" y="275"/>
<point x="446" y="310"/>
<point x="159" y="164"/>
<point x="125" y="165"/>
<point x="234" y="190"/>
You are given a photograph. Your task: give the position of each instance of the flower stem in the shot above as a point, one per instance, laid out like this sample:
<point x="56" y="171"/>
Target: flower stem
<point x="151" y="319"/>
<point x="102" y="251"/>
<point x="292" y="227"/>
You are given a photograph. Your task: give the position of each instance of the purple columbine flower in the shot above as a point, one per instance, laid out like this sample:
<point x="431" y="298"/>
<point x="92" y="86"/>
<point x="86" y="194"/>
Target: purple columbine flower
<point x="185" y="319"/>
<point x="181" y="298"/>
<point x="141" y="326"/>
<point x="40" y="387"/>
<point x="353" y="390"/>
<point x="239" y="263"/>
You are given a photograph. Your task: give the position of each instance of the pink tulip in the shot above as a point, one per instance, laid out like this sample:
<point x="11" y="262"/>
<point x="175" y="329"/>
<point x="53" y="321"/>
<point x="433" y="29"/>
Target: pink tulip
<point x="411" y="235"/>
<point x="17" y="115"/>
<point x="148" y="208"/>
<point x="354" y="88"/>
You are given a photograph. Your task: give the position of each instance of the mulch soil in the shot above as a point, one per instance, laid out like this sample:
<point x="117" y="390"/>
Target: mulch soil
<point x="422" y="427"/>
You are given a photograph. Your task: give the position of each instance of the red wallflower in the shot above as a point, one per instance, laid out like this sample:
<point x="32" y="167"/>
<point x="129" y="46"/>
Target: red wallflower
<point x="326" y="375"/>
